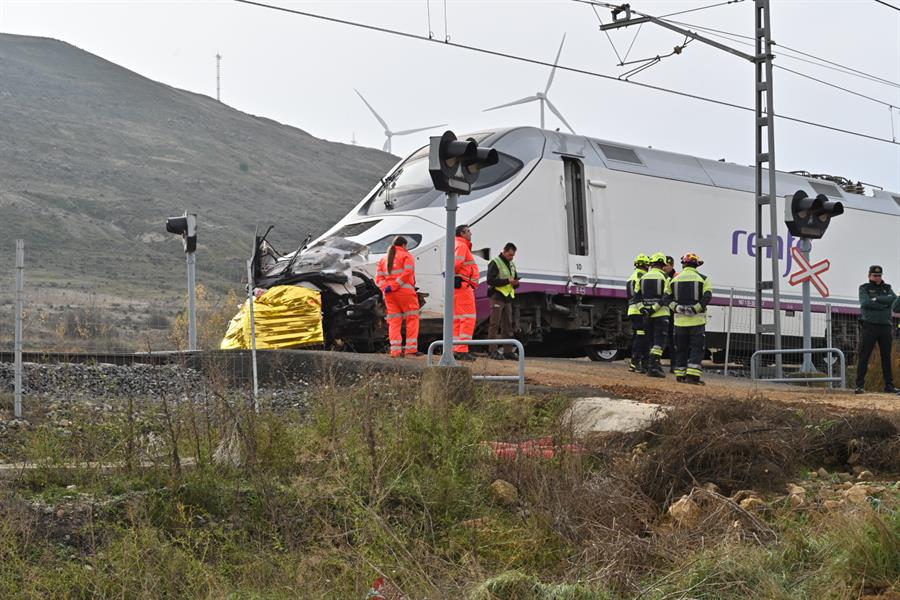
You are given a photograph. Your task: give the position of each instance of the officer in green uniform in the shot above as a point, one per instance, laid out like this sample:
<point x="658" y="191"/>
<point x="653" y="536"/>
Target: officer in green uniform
<point x="639" y="345"/>
<point x="650" y="290"/>
<point x="502" y="280"/>
<point x="691" y="292"/>
<point x="876" y="298"/>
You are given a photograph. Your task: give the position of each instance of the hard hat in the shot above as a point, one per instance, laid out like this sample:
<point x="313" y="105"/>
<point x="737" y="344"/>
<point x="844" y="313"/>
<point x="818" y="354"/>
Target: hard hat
<point x="691" y="259"/>
<point x="659" y="257"/>
<point x="641" y="259"/>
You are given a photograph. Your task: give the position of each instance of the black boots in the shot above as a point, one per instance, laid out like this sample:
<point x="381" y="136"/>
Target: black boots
<point x="655" y="369"/>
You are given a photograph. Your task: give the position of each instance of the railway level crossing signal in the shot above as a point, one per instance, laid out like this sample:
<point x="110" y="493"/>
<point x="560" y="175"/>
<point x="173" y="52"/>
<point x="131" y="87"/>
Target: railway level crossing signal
<point x="186" y="226"/>
<point x="809" y="218"/>
<point x="454" y="166"/>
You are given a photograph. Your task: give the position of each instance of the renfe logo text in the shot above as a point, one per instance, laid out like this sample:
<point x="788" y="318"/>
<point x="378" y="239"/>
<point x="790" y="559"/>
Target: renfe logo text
<point x="748" y="246"/>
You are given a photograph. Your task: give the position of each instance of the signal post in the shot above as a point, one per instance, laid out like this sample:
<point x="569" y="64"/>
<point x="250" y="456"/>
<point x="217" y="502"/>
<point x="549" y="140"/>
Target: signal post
<point x="454" y="166"/>
<point x="808" y="218"/>
<point x="186" y="227"/>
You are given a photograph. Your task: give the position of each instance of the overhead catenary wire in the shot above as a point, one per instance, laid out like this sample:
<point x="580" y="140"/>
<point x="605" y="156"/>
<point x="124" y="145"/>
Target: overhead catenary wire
<point x="594" y="7"/>
<point x="837" y="66"/>
<point x="698" y="8"/>
<point x="835" y="86"/>
<point x="897" y="8"/>
<point x="542" y="63"/>
<point x="800" y="74"/>
<point x="828" y="64"/>
<point x="633" y="40"/>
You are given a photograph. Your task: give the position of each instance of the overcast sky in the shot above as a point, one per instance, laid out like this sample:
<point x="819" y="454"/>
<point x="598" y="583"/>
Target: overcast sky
<point x="302" y="71"/>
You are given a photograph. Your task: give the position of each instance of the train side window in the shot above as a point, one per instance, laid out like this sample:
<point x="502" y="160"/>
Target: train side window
<point x="381" y="246"/>
<point x="505" y="168"/>
<point x="576" y="210"/>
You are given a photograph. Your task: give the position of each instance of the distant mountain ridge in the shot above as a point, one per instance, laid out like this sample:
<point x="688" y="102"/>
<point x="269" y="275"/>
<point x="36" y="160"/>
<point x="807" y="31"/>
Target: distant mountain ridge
<point x="93" y="157"/>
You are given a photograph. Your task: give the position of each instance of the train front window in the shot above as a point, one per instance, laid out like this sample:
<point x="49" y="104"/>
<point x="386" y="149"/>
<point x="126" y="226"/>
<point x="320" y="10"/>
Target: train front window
<point x="409" y="187"/>
<point x="505" y="168"/>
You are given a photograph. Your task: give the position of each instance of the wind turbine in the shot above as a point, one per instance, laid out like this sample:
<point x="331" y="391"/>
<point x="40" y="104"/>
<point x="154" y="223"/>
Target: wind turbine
<point x="542" y="96"/>
<point x="387" y="130"/>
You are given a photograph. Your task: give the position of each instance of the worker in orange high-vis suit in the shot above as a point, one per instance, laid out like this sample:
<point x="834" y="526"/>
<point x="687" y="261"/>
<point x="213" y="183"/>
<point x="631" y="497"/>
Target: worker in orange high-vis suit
<point x="465" y="281"/>
<point x="396" y="276"/>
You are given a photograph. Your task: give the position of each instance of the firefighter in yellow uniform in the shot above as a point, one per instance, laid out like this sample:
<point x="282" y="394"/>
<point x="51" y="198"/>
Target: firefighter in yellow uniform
<point x="651" y="289"/>
<point x="690" y="295"/>
<point x="639" y="345"/>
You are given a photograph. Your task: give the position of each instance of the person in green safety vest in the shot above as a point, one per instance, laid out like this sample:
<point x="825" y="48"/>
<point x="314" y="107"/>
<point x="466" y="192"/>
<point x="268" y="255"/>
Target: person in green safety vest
<point x="650" y="291"/>
<point x="690" y="294"/>
<point x="502" y="280"/>
<point x="639" y="347"/>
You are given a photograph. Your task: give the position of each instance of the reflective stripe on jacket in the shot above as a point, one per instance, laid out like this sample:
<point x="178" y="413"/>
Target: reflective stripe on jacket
<point x="652" y="288"/>
<point x="402" y="277"/>
<point x="507" y="272"/>
<point x="634" y="306"/>
<point x="465" y="266"/>
<point x="690" y="288"/>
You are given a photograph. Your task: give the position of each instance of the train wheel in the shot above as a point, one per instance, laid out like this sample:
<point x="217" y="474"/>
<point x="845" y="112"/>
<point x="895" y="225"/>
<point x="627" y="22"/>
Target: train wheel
<point x="598" y="354"/>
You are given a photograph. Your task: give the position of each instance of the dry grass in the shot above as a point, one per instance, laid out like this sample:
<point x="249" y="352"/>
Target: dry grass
<point x="369" y="482"/>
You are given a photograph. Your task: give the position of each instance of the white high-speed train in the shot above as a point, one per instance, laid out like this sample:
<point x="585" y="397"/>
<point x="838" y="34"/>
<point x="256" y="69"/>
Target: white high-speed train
<point x="579" y="209"/>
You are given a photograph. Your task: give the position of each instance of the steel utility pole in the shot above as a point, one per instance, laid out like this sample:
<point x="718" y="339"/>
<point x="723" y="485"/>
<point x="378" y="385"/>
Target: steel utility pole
<point x="20" y="292"/>
<point x="764" y="130"/>
<point x="251" y="299"/>
<point x="218" y="76"/>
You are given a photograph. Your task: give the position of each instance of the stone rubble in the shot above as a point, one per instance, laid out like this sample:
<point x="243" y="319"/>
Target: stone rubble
<point x="63" y="393"/>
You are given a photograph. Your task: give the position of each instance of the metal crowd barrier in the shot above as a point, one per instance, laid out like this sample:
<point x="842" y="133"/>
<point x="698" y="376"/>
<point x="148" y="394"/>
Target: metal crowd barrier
<point x="520" y="377"/>
<point x="842" y="379"/>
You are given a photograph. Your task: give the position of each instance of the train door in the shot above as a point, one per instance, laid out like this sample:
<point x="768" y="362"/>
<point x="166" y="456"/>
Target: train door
<point x="578" y="223"/>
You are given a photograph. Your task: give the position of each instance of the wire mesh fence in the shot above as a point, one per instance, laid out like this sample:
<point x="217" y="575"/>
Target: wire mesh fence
<point x="732" y="339"/>
<point x="103" y="315"/>
<point x="86" y="333"/>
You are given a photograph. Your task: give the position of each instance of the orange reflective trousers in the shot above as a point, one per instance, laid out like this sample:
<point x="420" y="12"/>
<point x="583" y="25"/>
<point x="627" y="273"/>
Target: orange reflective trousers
<point x="463" y="316"/>
<point x="402" y="307"/>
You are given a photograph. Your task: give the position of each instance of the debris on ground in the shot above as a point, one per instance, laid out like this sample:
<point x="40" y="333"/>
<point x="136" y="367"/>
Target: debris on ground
<point x="539" y="448"/>
<point x="599" y="415"/>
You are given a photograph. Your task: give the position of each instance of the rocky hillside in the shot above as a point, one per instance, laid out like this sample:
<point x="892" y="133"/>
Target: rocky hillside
<point x="93" y="157"/>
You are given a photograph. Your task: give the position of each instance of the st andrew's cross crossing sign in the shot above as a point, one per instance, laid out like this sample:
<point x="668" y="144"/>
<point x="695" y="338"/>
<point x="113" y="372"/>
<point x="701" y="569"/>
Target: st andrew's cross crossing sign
<point x="810" y="272"/>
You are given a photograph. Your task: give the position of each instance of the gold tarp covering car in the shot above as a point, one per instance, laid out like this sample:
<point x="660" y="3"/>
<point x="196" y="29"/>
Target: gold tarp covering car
<point x="286" y="316"/>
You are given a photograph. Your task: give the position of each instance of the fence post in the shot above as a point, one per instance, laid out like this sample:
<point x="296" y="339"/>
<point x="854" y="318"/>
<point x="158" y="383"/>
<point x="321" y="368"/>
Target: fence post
<point x="20" y="287"/>
<point x="828" y="342"/>
<point x="251" y="300"/>
<point x="728" y="331"/>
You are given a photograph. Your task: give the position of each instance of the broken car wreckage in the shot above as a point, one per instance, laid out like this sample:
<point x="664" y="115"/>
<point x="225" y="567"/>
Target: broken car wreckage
<point x="348" y="313"/>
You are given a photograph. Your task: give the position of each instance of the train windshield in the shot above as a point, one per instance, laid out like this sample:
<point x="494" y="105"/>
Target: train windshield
<point x="409" y="187"/>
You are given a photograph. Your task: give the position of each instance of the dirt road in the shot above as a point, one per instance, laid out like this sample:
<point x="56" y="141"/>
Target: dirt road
<point x="613" y="379"/>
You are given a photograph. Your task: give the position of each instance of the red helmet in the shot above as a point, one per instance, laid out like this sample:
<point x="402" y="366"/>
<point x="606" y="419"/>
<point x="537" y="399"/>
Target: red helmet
<point x="691" y="260"/>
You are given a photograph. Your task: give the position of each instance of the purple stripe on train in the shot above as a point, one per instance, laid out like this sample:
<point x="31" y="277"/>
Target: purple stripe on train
<point x="483" y="303"/>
